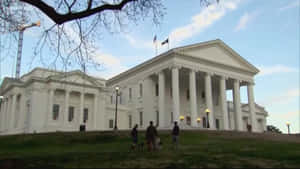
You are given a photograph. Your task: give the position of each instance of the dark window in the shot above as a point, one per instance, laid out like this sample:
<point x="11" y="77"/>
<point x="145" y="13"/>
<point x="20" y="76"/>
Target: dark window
<point x="55" y="112"/>
<point x="156" y="90"/>
<point x="71" y="113"/>
<point x="130" y="93"/>
<point x="141" y="118"/>
<point x="217" y="124"/>
<point x="188" y="120"/>
<point x="171" y="92"/>
<point x="111" y="123"/>
<point x="141" y="89"/>
<point x="85" y="115"/>
<point x="204" y="122"/>
<point x="130" y="121"/>
<point x="188" y="94"/>
<point x="111" y="99"/>
<point x="203" y="95"/>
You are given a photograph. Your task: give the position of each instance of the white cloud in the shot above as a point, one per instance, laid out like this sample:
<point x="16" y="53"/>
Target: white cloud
<point x="269" y="70"/>
<point x="245" y="20"/>
<point x="112" y="65"/>
<point x="282" y="98"/>
<point x="201" y="21"/>
<point x="198" y="23"/>
<point x="138" y="43"/>
<point x="293" y="4"/>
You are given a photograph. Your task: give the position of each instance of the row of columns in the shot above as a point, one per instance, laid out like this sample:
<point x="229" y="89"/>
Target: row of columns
<point x="81" y="107"/>
<point x="208" y="99"/>
<point x="8" y="111"/>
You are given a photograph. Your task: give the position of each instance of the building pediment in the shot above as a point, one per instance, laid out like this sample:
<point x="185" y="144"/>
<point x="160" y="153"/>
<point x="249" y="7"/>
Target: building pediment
<point x="217" y="52"/>
<point x="76" y="77"/>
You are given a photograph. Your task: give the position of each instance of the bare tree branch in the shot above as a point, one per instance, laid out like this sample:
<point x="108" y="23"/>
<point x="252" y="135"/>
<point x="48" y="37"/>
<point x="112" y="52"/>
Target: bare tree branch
<point x="62" y="18"/>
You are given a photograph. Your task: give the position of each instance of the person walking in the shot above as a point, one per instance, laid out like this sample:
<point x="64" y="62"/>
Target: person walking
<point x="175" y="135"/>
<point x="151" y="134"/>
<point x="134" y="136"/>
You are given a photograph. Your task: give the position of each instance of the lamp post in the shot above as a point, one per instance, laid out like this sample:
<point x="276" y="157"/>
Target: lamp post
<point x="116" y="114"/>
<point x="207" y="111"/>
<point x="288" y="126"/>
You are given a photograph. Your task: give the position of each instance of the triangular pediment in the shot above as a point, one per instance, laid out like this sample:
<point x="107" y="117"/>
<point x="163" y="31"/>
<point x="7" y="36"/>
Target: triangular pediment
<point x="76" y="77"/>
<point x="218" y="52"/>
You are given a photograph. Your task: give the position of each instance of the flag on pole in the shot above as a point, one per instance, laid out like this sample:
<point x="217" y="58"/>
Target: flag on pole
<point x="166" y="41"/>
<point x="154" y="39"/>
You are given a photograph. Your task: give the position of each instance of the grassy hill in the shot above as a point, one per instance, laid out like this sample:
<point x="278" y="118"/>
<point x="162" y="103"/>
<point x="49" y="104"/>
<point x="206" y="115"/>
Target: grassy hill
<point x="105" y="149"/>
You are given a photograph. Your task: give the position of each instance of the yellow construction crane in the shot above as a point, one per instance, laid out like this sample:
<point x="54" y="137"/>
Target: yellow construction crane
<point x="21" y="30"/>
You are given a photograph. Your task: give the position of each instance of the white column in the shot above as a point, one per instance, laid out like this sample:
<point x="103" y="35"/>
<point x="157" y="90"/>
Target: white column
<point x="175" y="91"/>
<point x="251" y="104"/>
<point x="95" y="110"/>
<point x="193" y="98"/>
<point x="161" y="98"/>
<point x="2" y="115"/>
<point x="224" y="103"/>
<point x="237" y="105"/>
<point x="50" y="111"/>
<point x="13" y="112"/>
<point x="209" y="102"/>
<point x="66" y="115"/>
<point x="81" y="108"/>
<point x="5" y="124"/>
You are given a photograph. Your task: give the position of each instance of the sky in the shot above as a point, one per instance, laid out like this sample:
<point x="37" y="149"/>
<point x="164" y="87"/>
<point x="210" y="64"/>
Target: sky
<point x="265" y="33"/>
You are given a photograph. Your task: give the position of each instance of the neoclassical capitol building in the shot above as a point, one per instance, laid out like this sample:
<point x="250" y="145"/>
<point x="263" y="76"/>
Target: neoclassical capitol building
<point x="187" y="84"/>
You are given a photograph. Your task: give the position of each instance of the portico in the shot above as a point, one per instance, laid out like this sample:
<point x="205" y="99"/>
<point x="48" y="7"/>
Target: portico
<point x="195" y="78"/>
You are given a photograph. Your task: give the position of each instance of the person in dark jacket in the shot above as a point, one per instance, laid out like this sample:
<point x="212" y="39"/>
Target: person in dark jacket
<point x="175" y="135"/>
<point x="134" y="136"/>
<point x="151" y="134"/>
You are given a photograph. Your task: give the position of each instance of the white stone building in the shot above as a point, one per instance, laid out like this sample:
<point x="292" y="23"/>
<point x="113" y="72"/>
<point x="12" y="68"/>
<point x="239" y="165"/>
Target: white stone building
<point x="178" y="85"/>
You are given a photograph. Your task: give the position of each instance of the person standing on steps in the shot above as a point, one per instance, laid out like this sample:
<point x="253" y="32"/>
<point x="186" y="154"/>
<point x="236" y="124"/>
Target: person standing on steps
<point x="134" y="136"/>
<point x="151" y="134"/>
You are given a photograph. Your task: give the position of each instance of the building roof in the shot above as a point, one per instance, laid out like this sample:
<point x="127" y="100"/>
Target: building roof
<point x="180" y="50"/>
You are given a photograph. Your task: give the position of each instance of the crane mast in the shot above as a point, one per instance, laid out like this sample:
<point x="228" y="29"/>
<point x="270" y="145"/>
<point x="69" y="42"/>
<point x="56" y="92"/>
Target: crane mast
<point x="20" y="46"/>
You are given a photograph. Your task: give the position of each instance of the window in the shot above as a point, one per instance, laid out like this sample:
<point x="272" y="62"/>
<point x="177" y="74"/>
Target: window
<point x="71" y="113"/>
<point x="111" y="123"/>
<point x="188" y="120"/>
<point x="111" y="99"/>
<point x="217" y="124"/>
<point x="130" y="93"/>
<point x="130" y="121"/>
<point x="141" y="118"/>
<point x="156" y="89"/>
<point x="55" y="111"/>
<point x="85" y="115"/>
<point x="141" y="90"/>
<point x="188" y="94"/>
<point x="157" y="118"/>
<point x="171" y="92"/>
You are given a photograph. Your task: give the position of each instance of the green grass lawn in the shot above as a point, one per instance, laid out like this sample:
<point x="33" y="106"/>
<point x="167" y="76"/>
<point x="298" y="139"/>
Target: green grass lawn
<point x="105" y="149"/>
